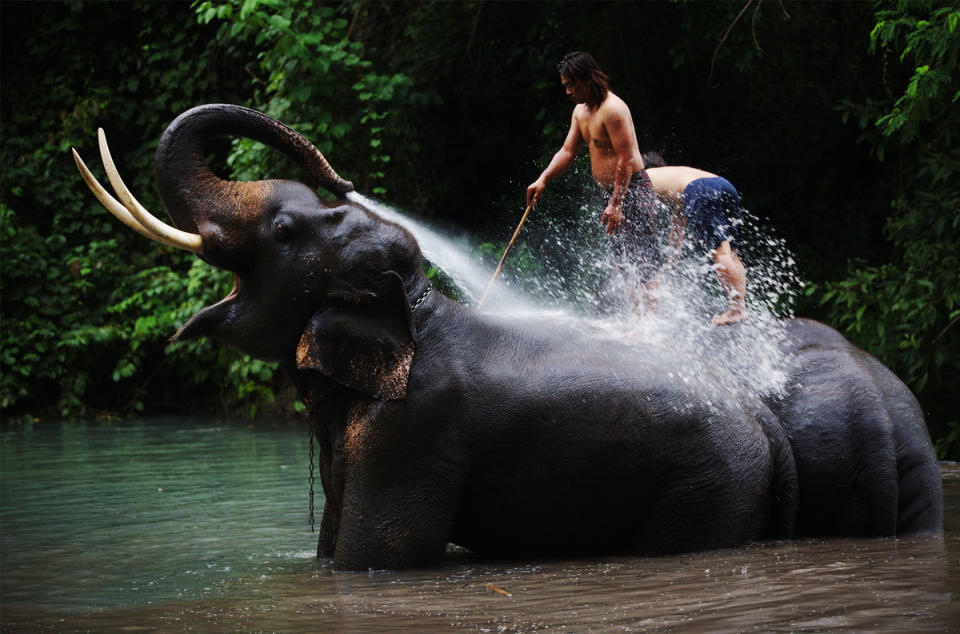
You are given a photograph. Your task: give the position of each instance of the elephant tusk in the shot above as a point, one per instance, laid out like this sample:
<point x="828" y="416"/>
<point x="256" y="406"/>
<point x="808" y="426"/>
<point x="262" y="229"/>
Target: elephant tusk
<point x="111" y="203"/>
<point x="126" y="217"/>
<point x="158" y="229"/>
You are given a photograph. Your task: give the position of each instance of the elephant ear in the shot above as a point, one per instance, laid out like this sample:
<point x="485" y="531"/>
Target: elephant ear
<point x="366" y="346"/>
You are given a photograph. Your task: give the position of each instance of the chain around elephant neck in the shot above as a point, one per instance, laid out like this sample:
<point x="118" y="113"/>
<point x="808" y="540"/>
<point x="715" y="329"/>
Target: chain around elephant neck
<point x="311" y="435"/>
<point x="423" y="297"/>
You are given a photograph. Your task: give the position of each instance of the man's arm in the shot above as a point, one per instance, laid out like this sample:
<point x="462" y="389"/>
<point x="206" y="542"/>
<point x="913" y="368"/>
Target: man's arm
<point x="616" y="126"/>
<point x="560" y="162"/>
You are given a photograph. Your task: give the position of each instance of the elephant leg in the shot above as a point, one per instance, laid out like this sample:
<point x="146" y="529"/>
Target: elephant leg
<point x="920" y="498"/>
<point x="329" y="527"/>
<point x="332" y="479"/>
<point x="920" y="485"/>
<point x="721" y="501"/>
<point x="400" y="523"/>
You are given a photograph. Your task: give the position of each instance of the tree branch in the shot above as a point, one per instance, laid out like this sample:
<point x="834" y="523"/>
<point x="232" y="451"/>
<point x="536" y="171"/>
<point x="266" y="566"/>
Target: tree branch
<point x="953" y="322"/>
<point x="753" y="30"/>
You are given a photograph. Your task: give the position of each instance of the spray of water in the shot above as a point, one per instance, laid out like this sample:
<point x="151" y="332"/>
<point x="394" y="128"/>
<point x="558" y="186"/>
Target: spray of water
<point x="456" y="261"/>
<point x="567" y="275"/>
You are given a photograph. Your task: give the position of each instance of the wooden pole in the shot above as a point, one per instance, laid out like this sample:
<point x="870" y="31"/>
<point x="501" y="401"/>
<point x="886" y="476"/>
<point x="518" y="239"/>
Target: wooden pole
<point x="504" y="256"/>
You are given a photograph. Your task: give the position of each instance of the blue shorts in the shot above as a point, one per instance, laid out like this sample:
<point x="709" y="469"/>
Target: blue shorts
<point x="711" y="206"/>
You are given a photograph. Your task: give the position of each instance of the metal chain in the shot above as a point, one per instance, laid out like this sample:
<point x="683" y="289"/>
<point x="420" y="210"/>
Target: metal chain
<point x="422" y="298"/>
<point x="310" y="432"/>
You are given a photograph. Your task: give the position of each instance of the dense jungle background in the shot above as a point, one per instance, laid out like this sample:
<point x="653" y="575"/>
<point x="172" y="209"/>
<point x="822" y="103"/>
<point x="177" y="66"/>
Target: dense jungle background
<point x="837" y="121"/>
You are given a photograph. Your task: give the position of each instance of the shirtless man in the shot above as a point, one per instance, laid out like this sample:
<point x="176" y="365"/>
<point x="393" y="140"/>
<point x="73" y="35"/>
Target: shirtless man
<point x="707" y="204"/>
<point x="602" y="120"/>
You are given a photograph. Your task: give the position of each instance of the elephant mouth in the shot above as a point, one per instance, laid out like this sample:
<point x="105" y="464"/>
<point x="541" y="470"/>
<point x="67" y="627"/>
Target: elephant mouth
<point x="232" y="295"/>
<point x="210" y="317"/>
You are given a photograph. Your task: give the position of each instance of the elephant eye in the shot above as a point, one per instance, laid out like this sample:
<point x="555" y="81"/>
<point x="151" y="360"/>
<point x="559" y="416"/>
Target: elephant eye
<point x="282" y="229"/>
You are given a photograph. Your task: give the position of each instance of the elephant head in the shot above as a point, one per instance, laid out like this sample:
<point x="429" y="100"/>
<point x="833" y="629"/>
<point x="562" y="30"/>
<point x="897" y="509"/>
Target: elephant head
<point x="328" y="285"/>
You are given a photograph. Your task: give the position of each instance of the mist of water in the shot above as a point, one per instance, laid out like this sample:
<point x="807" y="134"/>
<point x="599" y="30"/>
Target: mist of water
<point x="471" y="277"/>
<point x="561" y="270"/>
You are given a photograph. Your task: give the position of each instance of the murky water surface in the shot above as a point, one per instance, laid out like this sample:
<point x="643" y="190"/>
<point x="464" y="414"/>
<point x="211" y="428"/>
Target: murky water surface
<point x="177" y="525"/>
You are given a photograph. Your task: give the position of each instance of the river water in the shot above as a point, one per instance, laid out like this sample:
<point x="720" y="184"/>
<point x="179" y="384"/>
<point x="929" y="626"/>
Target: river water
<point x="199" y="525"/>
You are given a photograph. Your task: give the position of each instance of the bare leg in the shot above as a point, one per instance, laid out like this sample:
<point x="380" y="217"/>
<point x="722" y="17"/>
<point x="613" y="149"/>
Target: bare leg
<point x="733" y="280"/>
<point x="648" y="295"/>
<point x="642" y="301"/>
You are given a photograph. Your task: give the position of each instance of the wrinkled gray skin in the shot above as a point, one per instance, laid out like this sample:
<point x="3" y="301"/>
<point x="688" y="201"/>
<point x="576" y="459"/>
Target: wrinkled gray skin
<point x="438" y="424"/>
<point x="864" y="459"/>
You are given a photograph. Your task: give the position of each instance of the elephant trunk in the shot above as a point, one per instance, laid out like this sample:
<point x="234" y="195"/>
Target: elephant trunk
<point x="224" y="212"/>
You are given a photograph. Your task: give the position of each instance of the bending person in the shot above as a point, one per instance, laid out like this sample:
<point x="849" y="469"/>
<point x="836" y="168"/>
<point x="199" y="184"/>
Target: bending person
<point x="709" y="206"/>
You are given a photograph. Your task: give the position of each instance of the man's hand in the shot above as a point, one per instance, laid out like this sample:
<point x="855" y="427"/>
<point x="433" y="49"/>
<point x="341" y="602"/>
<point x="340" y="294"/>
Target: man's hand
<point x="534" y="190"/>
<point x="612" y="217"/>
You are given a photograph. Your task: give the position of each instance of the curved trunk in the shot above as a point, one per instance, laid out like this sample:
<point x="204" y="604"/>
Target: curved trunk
<point x="217" y="209"/>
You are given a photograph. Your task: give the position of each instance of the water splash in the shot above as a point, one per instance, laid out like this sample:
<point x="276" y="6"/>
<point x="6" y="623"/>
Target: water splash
<point x="471" y="276"/>
<point x="561" y="270"/>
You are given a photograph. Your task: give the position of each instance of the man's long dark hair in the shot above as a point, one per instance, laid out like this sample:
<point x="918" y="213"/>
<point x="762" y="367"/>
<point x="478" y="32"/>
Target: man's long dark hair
<point x="580" y="66"/>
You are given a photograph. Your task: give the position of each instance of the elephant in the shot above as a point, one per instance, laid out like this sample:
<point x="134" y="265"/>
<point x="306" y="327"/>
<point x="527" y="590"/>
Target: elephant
<point x="440" y="424"/>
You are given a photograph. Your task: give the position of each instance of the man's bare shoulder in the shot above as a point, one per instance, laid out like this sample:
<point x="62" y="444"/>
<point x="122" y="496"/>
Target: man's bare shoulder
<point x="582" y="114"/>
<point x="614" y="105"/>
<point x="614" y="111"/>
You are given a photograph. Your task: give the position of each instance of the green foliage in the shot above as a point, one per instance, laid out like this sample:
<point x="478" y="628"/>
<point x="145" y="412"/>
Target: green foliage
<point x="88" y="305"/>
<point x="927" y="37"/>
<point x="907" y="311"/>
<point x="309" y="74"/>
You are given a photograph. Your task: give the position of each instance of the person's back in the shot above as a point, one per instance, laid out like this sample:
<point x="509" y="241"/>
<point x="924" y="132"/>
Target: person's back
<point x="671" y="180"/>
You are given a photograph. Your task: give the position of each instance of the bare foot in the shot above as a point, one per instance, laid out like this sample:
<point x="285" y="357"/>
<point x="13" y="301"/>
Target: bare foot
<point x="730" y="317"/>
